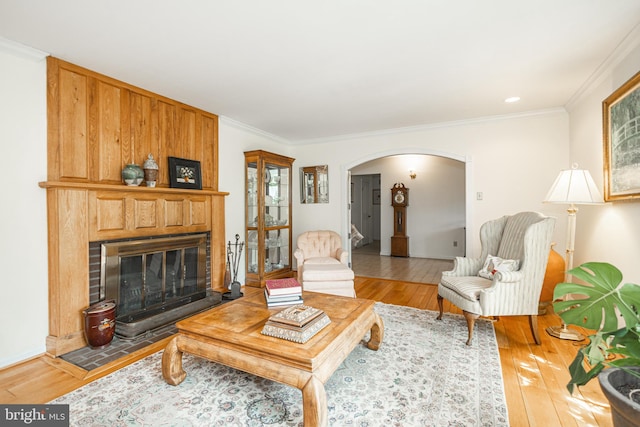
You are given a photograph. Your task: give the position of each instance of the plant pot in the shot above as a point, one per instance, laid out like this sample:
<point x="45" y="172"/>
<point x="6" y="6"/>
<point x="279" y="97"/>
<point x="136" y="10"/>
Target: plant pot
<point x="624" y="411"/>
<point x="552" y="276"/>
<point x="100" y="323"/>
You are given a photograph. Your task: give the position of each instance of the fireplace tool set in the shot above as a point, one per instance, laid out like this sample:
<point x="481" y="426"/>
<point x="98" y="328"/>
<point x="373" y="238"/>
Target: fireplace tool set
<point x="233" y="262"/>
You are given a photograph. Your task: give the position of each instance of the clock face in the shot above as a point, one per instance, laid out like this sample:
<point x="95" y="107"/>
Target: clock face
<point x="399" y="197"/>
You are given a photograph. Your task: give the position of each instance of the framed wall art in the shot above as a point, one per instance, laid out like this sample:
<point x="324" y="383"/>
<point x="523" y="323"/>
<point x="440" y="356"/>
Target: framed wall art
<point x="621" y="129"/>
<point x="376" y="196"/>
<point x="184" y="173"/>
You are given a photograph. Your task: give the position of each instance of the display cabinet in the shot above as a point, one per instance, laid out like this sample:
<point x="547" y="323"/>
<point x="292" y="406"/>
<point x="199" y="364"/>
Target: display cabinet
<point x="267" y="216"/>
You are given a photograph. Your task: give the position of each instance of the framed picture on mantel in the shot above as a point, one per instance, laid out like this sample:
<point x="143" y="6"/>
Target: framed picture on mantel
<point x="185" y="173"/>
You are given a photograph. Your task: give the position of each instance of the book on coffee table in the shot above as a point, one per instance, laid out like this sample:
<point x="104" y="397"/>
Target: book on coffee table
<point x="294" y="333"/>
<point x="297" y="315"/>
<point x="287" y="286"/>
<point x="282" y="300"/>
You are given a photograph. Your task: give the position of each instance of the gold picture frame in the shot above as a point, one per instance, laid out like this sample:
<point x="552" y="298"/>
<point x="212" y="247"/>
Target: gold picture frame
<point x="621" y="135"/>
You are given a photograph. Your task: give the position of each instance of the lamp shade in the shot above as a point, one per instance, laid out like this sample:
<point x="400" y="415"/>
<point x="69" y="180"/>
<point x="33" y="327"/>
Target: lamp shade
<point x="574" y="186"/>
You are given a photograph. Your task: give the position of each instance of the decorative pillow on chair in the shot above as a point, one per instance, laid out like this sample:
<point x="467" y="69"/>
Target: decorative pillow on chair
<point x="494" y="263"/>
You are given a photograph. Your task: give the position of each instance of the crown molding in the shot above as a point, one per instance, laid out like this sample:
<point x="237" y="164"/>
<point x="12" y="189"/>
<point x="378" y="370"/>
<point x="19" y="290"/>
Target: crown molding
<point x="425" y="127"/>
<point x="628" y="44"/>
<point x="243" y="126"/>
<point x="21" y="50"/>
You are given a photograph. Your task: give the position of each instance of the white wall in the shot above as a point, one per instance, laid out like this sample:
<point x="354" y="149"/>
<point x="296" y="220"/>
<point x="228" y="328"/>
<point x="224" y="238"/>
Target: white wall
<point x="609" y="233"/>
<point x="23" y="218"/>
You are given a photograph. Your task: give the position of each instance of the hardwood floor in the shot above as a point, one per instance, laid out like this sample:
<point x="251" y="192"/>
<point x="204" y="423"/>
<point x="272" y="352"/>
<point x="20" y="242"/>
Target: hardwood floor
<point x="534" y="375"/>
<point x="367" y="262"/>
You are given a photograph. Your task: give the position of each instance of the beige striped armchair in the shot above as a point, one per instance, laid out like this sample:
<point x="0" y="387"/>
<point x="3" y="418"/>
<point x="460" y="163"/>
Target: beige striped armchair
<point x="506" y="280"/>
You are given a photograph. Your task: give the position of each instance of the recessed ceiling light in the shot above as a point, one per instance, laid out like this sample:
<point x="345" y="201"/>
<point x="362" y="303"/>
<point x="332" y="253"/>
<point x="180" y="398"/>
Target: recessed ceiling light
<point x="512" y="99"/>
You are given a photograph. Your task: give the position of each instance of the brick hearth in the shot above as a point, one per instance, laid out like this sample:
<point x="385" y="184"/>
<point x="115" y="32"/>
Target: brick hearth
<point x="89" y="359"/>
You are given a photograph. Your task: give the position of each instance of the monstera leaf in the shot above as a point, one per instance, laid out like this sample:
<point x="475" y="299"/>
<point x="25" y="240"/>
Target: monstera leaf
<point x="596" y="305"/>
<point x="599" y="304"/>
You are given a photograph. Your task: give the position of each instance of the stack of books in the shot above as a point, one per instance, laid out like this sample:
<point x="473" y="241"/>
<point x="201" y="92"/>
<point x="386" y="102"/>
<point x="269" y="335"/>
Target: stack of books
<point x="281" y="292"/>
<point x="298" y="323"/>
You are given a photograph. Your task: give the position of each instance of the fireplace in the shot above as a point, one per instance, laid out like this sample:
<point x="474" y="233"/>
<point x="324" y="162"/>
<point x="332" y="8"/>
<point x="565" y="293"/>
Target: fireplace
<point x="154" y="281"/>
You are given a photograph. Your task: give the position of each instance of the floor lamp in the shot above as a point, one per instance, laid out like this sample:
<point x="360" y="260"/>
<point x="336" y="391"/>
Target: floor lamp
<point x="573" y="187"/>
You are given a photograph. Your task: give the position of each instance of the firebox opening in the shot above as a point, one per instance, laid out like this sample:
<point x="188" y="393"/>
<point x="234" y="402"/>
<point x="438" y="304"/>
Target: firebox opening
<point x="155" y="281"/>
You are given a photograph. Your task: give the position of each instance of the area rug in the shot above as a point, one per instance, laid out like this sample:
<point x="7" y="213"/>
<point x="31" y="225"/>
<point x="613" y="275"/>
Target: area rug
<point x="422" y="375"/>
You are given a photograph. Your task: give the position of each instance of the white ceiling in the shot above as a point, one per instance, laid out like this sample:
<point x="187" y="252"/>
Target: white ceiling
<point x="307" y="70"/>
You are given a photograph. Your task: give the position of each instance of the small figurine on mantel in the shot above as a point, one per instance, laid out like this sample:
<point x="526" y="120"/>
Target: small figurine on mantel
<point x="233" y="261"/>
<point x="132" y="175"/>
<point x="150" y="171"/>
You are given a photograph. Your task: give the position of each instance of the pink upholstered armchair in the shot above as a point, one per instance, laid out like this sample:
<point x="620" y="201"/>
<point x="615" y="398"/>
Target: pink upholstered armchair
<point x="322" y="263"/>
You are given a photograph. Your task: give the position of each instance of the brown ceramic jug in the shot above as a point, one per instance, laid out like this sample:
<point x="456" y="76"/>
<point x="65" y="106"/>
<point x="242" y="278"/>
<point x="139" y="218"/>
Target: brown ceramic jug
<point x="100" y="323"/>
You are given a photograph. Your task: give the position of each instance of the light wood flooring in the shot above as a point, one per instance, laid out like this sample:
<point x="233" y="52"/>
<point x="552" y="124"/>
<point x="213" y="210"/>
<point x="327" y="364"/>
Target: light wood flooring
<point x="534" y="375"/>
<point x="367" y="262"/>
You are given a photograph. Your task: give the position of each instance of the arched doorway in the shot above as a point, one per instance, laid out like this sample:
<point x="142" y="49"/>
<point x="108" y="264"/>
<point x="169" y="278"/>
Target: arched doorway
<point x="449" y="231"/>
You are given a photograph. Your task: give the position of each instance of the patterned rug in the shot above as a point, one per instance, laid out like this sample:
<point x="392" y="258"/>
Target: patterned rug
<point x="422" y="375"/>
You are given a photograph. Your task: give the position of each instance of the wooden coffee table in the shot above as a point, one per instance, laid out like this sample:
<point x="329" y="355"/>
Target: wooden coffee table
<point x="230" y="334"/>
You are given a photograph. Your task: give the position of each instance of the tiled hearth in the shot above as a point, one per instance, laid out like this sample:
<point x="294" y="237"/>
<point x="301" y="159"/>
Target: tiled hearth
<point x="88" y="358"/>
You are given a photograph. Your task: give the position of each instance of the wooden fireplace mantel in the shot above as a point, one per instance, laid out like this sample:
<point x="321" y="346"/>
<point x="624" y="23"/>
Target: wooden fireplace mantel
<point x="78" y="215"/>
<point x="96" y="126"/>
<point x="119" y="211"/>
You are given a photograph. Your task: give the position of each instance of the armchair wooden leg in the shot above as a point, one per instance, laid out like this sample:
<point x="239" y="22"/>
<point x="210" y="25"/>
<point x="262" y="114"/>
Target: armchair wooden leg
<point x="440" y="307"/>
<point x="533" y="323"/>
<point x="471" y="321"/>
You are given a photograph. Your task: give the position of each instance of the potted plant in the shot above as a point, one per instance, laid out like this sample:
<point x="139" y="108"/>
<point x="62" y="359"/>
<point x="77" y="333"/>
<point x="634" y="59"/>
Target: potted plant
<point x="612" y="311"/>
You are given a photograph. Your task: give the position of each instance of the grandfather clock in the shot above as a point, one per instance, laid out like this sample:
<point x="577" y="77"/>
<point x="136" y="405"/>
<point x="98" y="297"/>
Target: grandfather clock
<point x="399" y="201"/>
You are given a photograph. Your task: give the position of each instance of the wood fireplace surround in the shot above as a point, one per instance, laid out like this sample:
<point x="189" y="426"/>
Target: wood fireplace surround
<point x="97" y="125"/>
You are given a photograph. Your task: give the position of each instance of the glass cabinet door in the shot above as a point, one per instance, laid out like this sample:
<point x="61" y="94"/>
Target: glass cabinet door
<point x="276" y="201"/>
<point x="252" y="217"/>
<point x="276" y="250"/>
<point x="252" y="195"/>
<point x="252" y="252"/>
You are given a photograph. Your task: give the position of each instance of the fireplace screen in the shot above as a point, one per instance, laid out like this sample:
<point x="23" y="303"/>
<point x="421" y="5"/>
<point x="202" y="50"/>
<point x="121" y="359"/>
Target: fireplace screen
<point x="147" y="276"/>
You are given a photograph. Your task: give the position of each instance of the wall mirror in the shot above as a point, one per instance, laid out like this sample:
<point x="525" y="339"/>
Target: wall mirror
<point x="314" y="184"/>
